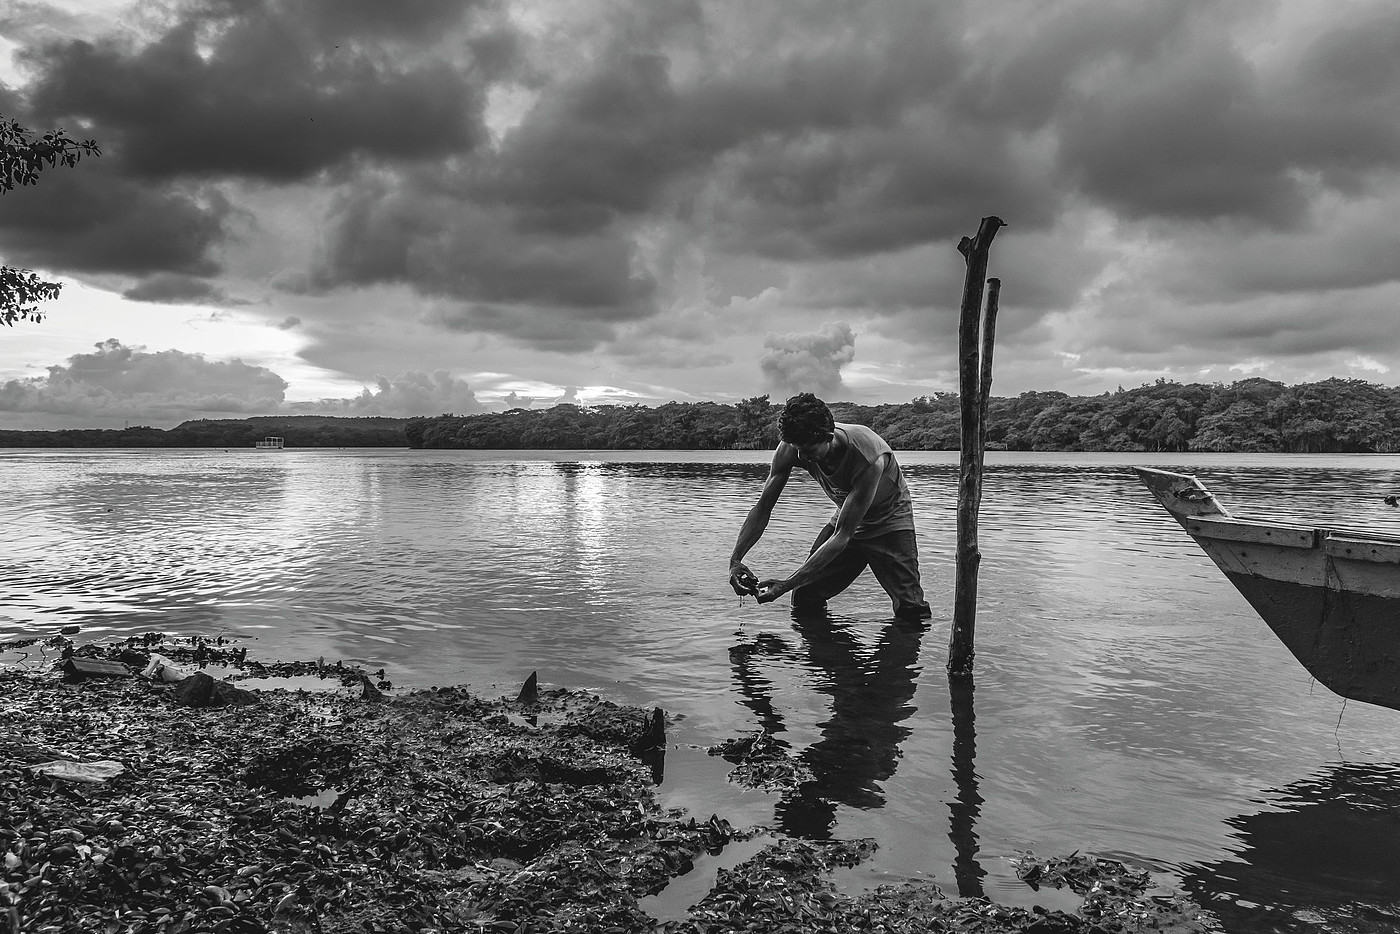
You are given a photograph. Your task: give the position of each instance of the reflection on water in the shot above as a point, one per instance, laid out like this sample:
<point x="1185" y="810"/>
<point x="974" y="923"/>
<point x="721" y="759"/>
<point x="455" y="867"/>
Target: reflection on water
<point x="1128" y="703"/>
<point x="1324" y="856"/>
<point x="868" y="690"/>
<point x="968" y="804"/>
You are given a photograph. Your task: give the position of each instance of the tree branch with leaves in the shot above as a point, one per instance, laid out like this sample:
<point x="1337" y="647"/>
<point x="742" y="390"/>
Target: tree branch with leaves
<point x="23" y="156"/>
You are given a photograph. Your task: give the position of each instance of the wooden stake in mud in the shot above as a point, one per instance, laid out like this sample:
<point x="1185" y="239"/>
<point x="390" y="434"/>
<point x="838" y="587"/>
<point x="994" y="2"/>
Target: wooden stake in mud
<point x="974" y="388"/>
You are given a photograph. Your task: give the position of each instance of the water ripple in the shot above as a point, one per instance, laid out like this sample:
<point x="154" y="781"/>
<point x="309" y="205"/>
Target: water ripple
<point x="1127" y="700"/>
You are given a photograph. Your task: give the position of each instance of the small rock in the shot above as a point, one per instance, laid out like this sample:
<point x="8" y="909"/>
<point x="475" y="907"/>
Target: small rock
<point x="502" y="864"/>
<point x="202" y="690"/>
<point x="195" y="690"/>
<point x="134" y="659"/>
<point x="225" y="694"/>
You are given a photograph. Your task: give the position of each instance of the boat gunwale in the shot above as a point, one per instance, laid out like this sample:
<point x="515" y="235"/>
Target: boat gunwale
<point x="1320" y="535"/>
<point x="1235" y="529"/>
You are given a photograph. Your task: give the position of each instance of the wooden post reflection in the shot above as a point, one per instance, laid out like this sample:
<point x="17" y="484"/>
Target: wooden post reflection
<point x="968" y="804"/>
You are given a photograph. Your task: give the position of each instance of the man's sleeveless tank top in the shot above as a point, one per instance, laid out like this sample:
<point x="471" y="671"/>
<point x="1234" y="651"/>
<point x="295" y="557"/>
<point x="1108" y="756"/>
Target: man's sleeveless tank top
<point x="892" y="510"/>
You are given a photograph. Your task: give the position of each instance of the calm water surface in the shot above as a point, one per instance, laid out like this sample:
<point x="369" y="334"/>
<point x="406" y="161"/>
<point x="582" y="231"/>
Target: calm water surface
<point x="1127" y="701"/>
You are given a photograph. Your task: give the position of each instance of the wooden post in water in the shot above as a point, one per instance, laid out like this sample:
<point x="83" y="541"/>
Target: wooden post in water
<point x="974" y="387"/>
<point x="989" y="337"/>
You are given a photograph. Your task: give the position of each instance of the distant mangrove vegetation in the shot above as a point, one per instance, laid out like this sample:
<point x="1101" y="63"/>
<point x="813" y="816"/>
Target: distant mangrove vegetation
<point x="1252" y="415"/>
<point x="303" y="431"/>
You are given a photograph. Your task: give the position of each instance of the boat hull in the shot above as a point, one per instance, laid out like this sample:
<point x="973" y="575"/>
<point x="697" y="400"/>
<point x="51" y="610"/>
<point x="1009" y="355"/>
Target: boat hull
<point x="1332" y="597"/>
<point x="1349" y="642"/>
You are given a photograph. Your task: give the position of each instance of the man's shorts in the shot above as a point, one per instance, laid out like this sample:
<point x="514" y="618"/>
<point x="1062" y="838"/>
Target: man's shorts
<point x="892" y="557"/>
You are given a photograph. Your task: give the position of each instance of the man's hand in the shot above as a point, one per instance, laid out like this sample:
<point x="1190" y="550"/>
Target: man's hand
<point x="744" y="581"/>
<point x="770" y="590"/>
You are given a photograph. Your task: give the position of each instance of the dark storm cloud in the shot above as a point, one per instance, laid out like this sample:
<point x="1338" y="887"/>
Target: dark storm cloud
<point x="260" y="90"/>
<point x="1342" y="99"/>
<point x="255" y="89"/>
<point x="611" y="141"/>
<point x="534" y="239"/>
<point x="1191" y="128"/>
<point x="1160" y="112"/>
<point x="1342" y="323"/>
<point x="854" y="146"/>
<point x="595" y="149"/>
<point x="542" y="328"/>
<point x="540" y="237"/>
<point x="1043" y="53"/>
<point x="828" y="195"/>
<point x="1184" y="137"/>
<point x="1353" y="244"/>
<point x="91" y="219"/>
<point x="466" y="252"/>
<point x="402" y="19"/>
<point x="540" y="288"/>
<point x="174" y="289"/>
<point x="842" y="78"/>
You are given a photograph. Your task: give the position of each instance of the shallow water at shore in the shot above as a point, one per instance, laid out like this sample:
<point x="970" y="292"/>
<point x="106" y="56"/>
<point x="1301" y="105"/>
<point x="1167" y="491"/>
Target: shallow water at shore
<point x="1128" y="703"/>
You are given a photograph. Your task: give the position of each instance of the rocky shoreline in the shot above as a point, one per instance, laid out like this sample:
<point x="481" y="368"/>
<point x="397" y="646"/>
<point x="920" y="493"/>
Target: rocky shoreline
<point x="233" y="812"/>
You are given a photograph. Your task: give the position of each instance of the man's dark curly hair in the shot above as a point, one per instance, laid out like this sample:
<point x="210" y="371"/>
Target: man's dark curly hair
<point x="805" y="420"/>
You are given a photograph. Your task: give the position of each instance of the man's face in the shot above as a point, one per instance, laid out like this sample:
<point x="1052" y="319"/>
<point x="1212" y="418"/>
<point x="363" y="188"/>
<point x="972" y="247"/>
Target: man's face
<point x="815" y="450"/>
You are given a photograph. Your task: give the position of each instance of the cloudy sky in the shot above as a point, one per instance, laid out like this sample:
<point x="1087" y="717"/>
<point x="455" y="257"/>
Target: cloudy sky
<point x="424" y="206"/>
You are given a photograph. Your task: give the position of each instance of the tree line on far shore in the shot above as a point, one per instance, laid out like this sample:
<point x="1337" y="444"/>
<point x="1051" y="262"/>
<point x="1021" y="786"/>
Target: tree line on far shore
<point x="1254" y="415"/>
<point x="301" y="431"/>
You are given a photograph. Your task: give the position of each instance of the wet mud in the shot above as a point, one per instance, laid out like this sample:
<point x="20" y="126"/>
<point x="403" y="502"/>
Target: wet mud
<point x="135" y="804"/>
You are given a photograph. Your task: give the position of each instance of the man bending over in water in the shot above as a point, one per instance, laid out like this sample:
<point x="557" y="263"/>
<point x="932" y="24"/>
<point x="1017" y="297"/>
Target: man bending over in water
<point x="873" y="524"/>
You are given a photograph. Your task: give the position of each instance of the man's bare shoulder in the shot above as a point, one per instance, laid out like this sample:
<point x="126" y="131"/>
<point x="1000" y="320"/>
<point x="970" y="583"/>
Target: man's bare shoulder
<point x="784" y="457"/>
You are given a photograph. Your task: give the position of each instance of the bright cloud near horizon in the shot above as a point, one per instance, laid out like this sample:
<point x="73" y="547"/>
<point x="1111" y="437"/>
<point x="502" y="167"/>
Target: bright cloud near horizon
<point x="358" y="207"/>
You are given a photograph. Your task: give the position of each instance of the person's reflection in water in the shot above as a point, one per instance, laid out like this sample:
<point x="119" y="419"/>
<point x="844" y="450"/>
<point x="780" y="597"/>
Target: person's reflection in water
<point x="870" y="689"/>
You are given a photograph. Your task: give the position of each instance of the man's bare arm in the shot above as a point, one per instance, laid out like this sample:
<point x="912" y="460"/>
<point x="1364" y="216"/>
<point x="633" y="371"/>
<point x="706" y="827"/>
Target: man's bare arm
<point x="853" y="510"/>
<point x="741" y="578"/>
